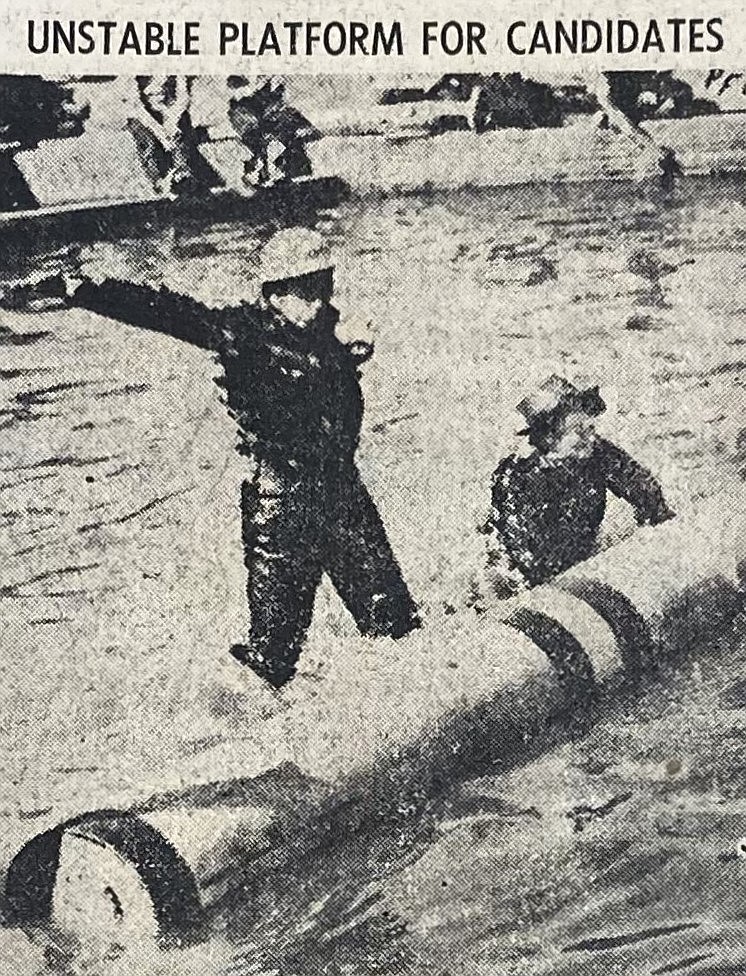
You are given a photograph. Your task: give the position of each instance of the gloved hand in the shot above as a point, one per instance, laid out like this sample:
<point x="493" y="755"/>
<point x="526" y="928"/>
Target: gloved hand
<point x="505" y="579"/>
<point x="101" y="261"/>
<point x="505" y="587"/>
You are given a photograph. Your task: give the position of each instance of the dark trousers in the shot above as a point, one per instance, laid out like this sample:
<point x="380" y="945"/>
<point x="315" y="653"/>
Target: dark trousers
<point x="295" y="529"/>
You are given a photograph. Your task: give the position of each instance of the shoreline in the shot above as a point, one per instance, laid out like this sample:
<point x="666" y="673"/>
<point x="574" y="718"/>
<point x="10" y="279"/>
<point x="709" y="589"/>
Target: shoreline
<point x="405" y="161"/>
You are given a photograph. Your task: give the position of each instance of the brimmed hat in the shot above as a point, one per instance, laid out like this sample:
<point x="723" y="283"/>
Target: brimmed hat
<point x="557" y="396"/>
<point x="296" y="252"/>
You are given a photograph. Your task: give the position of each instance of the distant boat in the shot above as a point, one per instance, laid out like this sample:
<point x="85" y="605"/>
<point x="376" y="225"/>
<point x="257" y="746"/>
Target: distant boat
<point x="288" y="202"/>
<point x="96" y="182"/>
<point x="454" y="132"/>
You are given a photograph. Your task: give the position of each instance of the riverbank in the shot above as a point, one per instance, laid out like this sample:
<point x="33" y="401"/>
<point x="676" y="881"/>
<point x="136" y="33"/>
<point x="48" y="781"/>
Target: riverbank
<point x="102" y="166"/>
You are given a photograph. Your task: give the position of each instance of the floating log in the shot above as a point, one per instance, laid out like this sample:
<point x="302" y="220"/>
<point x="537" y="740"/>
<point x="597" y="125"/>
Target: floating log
<point x="396" y="728"/>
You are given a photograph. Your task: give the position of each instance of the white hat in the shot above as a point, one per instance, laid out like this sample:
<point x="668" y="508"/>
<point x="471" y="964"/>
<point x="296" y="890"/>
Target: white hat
<point x="293" y="253"/>
<point x="555" y="395"/>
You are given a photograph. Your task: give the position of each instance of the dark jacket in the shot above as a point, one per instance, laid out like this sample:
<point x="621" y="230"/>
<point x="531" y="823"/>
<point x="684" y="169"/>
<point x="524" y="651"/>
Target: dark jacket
<point x="547" y="511"/>
<point x="294" y="393"/>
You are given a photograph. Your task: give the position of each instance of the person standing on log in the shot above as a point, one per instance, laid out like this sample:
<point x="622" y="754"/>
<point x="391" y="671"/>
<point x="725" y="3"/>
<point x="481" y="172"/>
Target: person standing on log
<point x="294" y="390"/>
<point x="548" y="506"/>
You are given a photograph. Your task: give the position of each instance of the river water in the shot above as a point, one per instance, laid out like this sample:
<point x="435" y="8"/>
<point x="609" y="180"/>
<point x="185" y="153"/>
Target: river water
<point x="123" y="583"/>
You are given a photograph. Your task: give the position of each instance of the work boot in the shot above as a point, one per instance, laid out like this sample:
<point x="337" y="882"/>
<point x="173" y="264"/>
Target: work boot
<point x="405" y="625"/>
<point x="389" y="619"/>
<point x="275" y="673"/>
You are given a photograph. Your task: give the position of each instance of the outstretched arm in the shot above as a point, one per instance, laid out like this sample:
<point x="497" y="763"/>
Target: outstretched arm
<point x="157" y="310"/>
<point x="629" y="480"/>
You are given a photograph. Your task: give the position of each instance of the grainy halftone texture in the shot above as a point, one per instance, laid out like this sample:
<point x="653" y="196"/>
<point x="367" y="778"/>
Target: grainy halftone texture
<point x="477" y="269"/>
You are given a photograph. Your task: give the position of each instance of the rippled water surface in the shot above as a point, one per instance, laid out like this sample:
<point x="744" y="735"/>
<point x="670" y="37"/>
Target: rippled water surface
<point x="122" y="586"/>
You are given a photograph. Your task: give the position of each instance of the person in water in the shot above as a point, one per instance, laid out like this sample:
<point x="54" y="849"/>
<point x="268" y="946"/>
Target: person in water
<point x="548" y="506"/>
<point x="293" y="388"/>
